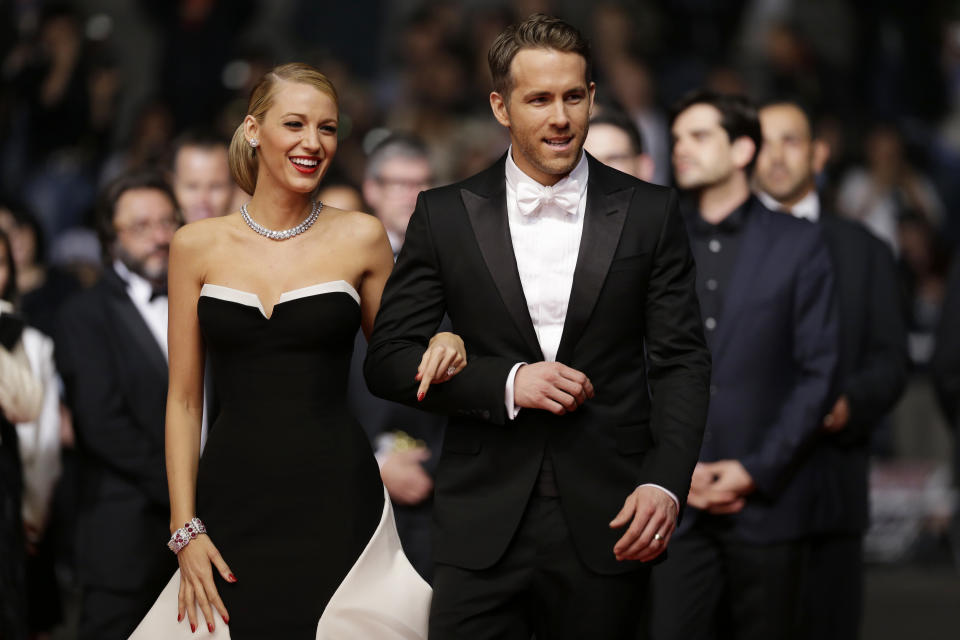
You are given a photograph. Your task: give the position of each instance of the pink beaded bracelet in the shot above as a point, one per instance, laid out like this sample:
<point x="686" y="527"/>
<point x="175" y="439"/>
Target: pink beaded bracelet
<point x="182" y="536"/>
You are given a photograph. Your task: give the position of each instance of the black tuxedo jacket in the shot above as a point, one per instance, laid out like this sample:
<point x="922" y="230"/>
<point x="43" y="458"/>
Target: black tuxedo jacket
<point x="632" y="326"/>
<point x="774" y="355"/>
<point x="871" y="370"/>
<point x="115" y="376"/>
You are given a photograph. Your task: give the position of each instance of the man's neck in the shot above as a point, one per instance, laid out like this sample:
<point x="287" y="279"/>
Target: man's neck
<point x="790" y="203"/>
<point x="545" y="179"/>
<point x="719" y="200"/>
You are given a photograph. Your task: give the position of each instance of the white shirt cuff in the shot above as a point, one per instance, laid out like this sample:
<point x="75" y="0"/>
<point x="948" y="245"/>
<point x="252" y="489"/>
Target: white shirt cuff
<point x="384" y="447"/>
<point x="512" y="409"/>
<point x="666" y="491"/>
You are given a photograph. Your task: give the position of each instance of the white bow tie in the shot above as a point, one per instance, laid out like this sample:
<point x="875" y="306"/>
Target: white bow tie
<point x="531" y="197"/>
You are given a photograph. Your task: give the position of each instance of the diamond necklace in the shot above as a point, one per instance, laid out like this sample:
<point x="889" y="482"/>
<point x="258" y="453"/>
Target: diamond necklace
<point x="286" y="233"/>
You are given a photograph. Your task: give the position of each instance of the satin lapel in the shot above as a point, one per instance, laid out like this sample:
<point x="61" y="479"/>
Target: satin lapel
<point x="488" y="217"/>
<point x="754" y="249"/>
<point x="128" y="317"/>
<point x="603" y="221"/>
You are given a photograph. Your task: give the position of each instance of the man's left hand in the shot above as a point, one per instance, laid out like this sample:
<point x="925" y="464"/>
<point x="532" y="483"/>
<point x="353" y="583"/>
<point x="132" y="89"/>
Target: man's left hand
<point x="720" y="487"/>
<point x="652" y="515"/>
<point x="838" y="417"/>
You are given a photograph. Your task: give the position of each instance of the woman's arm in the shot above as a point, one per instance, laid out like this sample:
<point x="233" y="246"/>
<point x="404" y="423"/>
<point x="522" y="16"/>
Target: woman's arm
<point x="445" y="355"/>
<point x="184" y="415"/>
<point x="185" y="390"/>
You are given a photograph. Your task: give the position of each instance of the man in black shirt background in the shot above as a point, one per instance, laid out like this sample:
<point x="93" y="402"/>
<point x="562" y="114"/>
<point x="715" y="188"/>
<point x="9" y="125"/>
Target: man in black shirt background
<point x="766" y="295"/>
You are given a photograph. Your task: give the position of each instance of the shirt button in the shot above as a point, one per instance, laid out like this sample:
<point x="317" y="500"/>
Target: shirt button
<point x="711" y="284"/>
<point x="714" y="246"/>
<point x="710" y="324"/>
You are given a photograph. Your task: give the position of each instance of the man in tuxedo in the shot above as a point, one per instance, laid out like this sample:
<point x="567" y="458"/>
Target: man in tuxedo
<point x="765" y="285"/>
<point x="112" y="355"/>
<point x="871" y="371"/>
<point x="575" y="426"/>
<point x="406" y="441"/>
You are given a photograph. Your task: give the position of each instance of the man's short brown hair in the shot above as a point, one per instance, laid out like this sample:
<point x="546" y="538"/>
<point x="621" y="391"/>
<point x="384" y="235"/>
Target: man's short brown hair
<point x="539" y="31"/>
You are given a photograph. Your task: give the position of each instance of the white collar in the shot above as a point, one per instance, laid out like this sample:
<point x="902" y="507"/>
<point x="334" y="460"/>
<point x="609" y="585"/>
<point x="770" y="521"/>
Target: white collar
<point x="516" y="176"/>
<point x="137" y="286"/>
<point x="808" y="208"/>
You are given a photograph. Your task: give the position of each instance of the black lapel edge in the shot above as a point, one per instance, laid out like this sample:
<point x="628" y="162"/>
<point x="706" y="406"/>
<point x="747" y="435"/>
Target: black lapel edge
<point x="602" y="225"/>
<point x="488" y="217"/>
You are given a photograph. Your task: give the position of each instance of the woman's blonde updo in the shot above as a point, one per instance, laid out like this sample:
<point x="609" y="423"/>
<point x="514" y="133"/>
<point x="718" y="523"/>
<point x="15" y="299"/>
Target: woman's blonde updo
<point x="243" y="159"/>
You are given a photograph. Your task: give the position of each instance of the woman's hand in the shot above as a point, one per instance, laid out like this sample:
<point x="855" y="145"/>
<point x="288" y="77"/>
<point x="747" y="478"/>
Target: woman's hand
<point x="196" y="582"/>
<point x="444" y="358"/>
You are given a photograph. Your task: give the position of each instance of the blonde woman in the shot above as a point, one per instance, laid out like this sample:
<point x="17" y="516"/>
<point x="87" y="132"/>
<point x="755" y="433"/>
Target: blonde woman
<point x="281" y="530"/>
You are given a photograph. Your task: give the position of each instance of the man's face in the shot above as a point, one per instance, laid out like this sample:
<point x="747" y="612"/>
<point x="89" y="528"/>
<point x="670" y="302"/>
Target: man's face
<point x="786" y="163"/>
<point x="201" y="180"/>
<point x="145" y="221"/>
<point x="393" y="191"/>
<point x="611" y="146"/>
<point x="548" y="112"/>
<point x="703" y="154"/>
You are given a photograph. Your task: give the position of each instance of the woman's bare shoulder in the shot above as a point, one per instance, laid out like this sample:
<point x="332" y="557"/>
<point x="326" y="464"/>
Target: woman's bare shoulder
<point x="202" y="237"/>
<point x="361" y="228"/>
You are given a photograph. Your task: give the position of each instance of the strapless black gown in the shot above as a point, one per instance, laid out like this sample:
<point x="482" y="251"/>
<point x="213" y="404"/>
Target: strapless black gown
<point x="288" y="485"/>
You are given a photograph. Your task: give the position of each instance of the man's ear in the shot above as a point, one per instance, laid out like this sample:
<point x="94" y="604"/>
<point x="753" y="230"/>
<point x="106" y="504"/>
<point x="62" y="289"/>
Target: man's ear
<point x="645" y="167"/>
<point x="592" y="90"/>
<point x="371" y="192"/>
<point x="821" y="154"/>
<point x="499" y="106"/>
<point x="744" y="149"/>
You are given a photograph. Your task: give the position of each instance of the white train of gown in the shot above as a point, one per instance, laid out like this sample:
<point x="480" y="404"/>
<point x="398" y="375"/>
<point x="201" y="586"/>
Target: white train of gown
<point x="382" y="597"/>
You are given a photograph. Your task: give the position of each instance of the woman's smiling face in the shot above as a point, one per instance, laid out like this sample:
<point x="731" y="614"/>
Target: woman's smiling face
<point x="297" y="138"/>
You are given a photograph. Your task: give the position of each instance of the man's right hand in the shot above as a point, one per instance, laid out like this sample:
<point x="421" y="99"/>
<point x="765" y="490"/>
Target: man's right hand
<point x="405" y="478"/>
<point x="551" y="386"/>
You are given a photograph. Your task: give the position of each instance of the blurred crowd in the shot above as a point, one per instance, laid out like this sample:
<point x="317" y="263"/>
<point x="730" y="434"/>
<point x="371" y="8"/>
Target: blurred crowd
<point x="93" y="90"/>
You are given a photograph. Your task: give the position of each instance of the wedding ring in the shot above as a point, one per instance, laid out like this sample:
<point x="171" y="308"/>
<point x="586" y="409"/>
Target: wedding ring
<point x="657" y="537"/>
<point x="451" y="371"/>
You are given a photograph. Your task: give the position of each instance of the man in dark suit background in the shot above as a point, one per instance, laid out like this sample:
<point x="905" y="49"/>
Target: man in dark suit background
<point x="406" y="441"/>
<point x="871" y="372"/>
<point x="112" y="355"/>
<point x="765" y="285"/>
<point x="576" y="423"/>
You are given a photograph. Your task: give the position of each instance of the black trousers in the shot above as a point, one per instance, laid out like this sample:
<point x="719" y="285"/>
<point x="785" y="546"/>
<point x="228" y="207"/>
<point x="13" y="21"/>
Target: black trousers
<point x="715" y="588"/>
<point x="833" y="588"/>
<point x="540" y="587"/>
<point x="415" y="527"/>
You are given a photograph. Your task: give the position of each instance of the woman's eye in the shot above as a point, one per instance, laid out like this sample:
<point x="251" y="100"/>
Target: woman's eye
<point x="329" y="129"/>
<point x="293" y="124"/>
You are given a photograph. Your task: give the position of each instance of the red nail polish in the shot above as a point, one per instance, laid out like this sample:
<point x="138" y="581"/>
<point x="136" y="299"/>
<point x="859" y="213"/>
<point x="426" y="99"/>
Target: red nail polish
<point x="233" y="578"/>
<point x="420" y="396"/>
<point x="226" y="620"/>
<point x="210" y="627"/>
<point x="193" y="628"/>
<point x="179" y="617"/>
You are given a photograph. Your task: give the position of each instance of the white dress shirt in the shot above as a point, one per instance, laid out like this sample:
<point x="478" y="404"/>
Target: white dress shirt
<point x="154" y="313"/>
<point x="546" y="245"/>
<point x="808" y="208"/>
